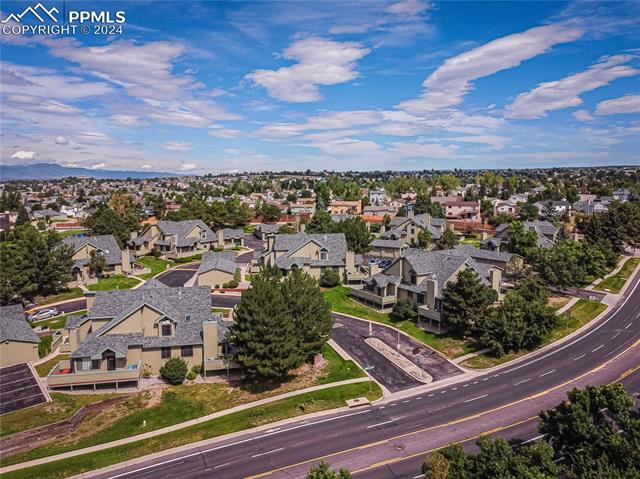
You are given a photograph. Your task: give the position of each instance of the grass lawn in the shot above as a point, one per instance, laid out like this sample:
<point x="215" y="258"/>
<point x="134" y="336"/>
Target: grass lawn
<point x="286" y="408"/>
<point x="615" y="283"/>
<point x="248" y="228"/>
<point x="446" y="344"/>
<point x="156" y="265"/>
<point x="66" y="233"/>
<point x="44" y="346"/>
<point x="188" y="259"/>
<point x="338" y="369"/>
<point x="113" y="282"/>
<point x="59" y="321"/>
<point x="583" y="311"/>
<point x="54" y="298"/>
<point x="44" y="368"/>
<point x="62" y="407"/>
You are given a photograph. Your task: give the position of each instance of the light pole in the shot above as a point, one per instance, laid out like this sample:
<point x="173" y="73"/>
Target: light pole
<point x="368" y="371"/>
<point x="398" y="343"/>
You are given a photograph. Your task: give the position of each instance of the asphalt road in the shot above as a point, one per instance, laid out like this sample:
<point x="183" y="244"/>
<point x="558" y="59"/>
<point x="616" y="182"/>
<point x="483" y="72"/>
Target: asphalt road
<point x="410" y="424"/>
<point x="177" y="276"/>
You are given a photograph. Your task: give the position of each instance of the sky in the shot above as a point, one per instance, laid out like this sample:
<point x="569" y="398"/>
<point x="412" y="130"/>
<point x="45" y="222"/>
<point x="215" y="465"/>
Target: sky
<point x="200" y="87"/>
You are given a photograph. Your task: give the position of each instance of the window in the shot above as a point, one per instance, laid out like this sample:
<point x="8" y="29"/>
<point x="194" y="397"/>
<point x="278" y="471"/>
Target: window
<point x="414" y="279"/>
<point x="165" y="353"/>
<point x="95" y="364"/>
<point x="420" y="298"/>
<point x="323" y="255"/>
<point x="166" y="329"/>
<point x="186" y="351"/>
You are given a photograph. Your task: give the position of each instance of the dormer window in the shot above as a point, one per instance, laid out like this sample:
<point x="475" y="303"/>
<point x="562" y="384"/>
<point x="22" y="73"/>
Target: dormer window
<point x="166" y="329"/>
<point x="323" y="254"/>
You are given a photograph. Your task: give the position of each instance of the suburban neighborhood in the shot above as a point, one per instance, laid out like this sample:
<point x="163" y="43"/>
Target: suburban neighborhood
<point x="320" y="240"/>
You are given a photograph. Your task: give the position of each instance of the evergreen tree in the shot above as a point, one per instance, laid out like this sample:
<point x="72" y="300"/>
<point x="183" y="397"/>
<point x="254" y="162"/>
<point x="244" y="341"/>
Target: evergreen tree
<point x="403" y="311"/>
<point x="448" y="239"/>
<point x="466" y="301"/>
<point x="310" y="312"/>
<point x="425" y="205"/>
<point x="329" y="278"/>
<point x="23" y="217"/>
<point x="264" y="332"/>
<point x="356" y="233"/>
<point x="106" y="221"/>
<point x="424" y="239"/>
<point x="12" y="278"/>
<point x="521" y="241"/>
<point x="320" y="223"/>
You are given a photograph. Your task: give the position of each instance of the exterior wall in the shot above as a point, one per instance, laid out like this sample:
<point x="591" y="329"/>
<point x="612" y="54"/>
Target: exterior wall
<point x="140" y="320"/>
<point x="213" y="277"/>
<point x="387" y="252"/>
<point x="17" y="352"/>
<point x="153" y="359"/>
<point x="309" y="250"/>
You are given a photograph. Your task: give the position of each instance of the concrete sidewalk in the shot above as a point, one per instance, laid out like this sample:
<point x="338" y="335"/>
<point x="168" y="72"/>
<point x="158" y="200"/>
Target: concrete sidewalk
<point x="176" y="427"/>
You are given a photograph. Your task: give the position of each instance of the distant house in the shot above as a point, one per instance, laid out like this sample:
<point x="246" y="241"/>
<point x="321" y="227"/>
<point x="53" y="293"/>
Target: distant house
<point x="388" y="248"/>
<point x="18" y="342"/>
<point x="421" y="276"/>
<point x="262" y="230"/>
<point x="127" y="332"/>
<point x="622" y="195"/>
<point x="216" y="269"/>
<point x="590" y="207"/>
<point x="553" y="207"/>
<point x="48" y="215"/>
<point x="381" y="211"/>
<point x="118" y="261"/>
<point x="546" y="232"/>
<point x="302" y="208"/>
<point x="348" y="207"/>
<point x="507" y="262"/>
<point x="228" y="238"/>
<point x="377" y="197"/>
<point x="509" y="208"/>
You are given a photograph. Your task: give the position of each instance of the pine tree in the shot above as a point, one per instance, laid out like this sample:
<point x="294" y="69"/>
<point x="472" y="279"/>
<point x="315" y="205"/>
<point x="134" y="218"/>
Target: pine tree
<point x="321" y="222"/>
<point x="23" y="217"/>
<point x="357" y="234"/>
<point x="264" y="332"/>
<point x="310" y="312"/>
<point x="448" y="240"/>
<point x="322" y="471"/>
<point x="466" y="300"/>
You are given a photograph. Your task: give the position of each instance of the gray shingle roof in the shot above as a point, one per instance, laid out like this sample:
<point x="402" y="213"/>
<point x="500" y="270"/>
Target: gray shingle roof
<point x="182" y="228"/>
<point x="13" y="326"/>
<point x="229" y="233"/>
<point x="334" y="243"/>
<point x="219" y="261"/>
<point x="105" y="243"/>
<point x="544" y="229"/>
<point x="482" y="253"/>
<point x="387" y="243"/>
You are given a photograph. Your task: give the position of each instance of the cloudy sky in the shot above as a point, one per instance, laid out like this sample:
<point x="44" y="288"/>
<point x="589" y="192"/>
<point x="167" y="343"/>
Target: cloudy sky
<point x="214" y="86"/>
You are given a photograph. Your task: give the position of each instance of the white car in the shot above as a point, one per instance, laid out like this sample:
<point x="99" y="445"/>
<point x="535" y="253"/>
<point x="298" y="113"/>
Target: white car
<point x="45" y="313"/>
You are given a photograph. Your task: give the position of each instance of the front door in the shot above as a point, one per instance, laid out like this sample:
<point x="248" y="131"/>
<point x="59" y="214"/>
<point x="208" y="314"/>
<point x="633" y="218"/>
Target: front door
<point x="111" y="362"/>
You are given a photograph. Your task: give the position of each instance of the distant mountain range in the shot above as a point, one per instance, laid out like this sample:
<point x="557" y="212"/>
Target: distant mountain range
<point x="52" y="171"/>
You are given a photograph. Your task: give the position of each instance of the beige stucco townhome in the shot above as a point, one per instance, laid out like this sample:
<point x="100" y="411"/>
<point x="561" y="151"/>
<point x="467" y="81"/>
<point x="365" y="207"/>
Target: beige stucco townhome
<point x="18" y="342"/>
<point x="216" y="269"/>
<point x="128" y="333"/>
<point x="118" y="261"/>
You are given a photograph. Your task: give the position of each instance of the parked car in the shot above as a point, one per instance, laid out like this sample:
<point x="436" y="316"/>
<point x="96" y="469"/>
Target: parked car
<point x="44" y="313"/>
<point x="374" y="261"/>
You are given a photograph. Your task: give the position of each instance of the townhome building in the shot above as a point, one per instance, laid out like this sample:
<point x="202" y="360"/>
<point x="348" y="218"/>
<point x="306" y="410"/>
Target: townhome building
<point x="216" y="269"/>
<point x="408" y="228"/>
<point x="128" y="333"/>
<point x="18" y="341"/>
<point x="178" y="239"/>
<point x="345" y="207"/>
<point x="546" y="232"/>
<point x="421" y="276"/>
<point x="86" y="248"/>
<point x="312" y="253"/>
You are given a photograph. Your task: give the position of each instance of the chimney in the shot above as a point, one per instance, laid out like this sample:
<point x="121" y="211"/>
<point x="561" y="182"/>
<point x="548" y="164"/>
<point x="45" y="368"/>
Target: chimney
<point x="427" y="219"/>
<point x="410" y="213"/>
<point x="495" y="277"/>
<point x="271" y="241"/>
<point x="432" y="292"/>
<point x="302" y="227"/>
<point x="383" y="228"/>
<point x="90" y="296"/>
<point x="134" y="235"/>
<point x="350" y="262"/>
<point x="126" y="260"/>
<point x="220" y="238"/>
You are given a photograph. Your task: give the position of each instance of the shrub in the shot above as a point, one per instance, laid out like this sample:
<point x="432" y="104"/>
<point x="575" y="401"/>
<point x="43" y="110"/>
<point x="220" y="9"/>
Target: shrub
<point x="195" y="370"/>
<point x="237" y="275"/>
<point x="174" y="371"/>
<point x="231" y="284"/>
<point x="329" y="278"/>
<point x="403" y="310"/>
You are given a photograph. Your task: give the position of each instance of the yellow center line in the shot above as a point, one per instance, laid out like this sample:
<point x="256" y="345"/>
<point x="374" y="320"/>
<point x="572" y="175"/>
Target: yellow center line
<point x="460" y="420"/>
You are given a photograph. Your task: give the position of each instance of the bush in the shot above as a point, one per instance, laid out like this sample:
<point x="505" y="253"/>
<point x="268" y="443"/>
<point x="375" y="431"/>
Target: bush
<point x="231" y="284"/>
<point x="174" y="371"/>
<point x="195" y="370"/>
<point x="329" y="278"/>
<point x="403" y="310"/>
<point x="237" y="275"/>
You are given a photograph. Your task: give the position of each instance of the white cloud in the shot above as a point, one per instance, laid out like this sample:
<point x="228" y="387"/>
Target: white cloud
<point x="177" y="146"/>
<point x="24" y="155"/>
<point x="615" y="106"/>
<point x="93" y="136"/>
<point x="126" y="120"/>
<point x="496" y="142"/>
<point x="98" y="166"/>
<point x="421" y="150"/>
<point x="448" y="85"/>
<point x="225" y="133"/>
<point x="61" y="140"/>
<point x="319" y="62"/>
<point x="188" y="166"/>
<point x="146" y="166"/>
<point x="347" y="146"/>
<point x="564" y="93"/>
<point x="582" y="115"/>
<point x="408" y="7"/>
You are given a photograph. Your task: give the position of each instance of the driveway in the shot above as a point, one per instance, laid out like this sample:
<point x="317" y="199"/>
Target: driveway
<point x="177" y="276"/>
<point x="351" y="333"/>
<point x="255" y="244"/>
<point x="224" y="300"/>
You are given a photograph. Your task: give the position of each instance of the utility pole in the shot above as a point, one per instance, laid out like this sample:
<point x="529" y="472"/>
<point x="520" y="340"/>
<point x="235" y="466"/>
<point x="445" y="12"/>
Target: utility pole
<point x="368" y="371"/>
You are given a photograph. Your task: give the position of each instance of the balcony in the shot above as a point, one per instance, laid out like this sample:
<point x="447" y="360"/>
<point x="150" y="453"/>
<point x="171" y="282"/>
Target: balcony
<point x="62" y="375"/>
<point x="219" y="364"/>
<point x="369" y="298"/>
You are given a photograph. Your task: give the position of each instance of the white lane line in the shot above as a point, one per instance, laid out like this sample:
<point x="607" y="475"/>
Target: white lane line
<point x="419" y="397"/>
<point x="380" y="424"/>
<point x="548" y="372"/>
<point x="394" y="404"/>
<point x="522" y="382"/>
<point x="442" y="392"/>
<point x="381" y="407"/>
<point x="221" y="465"/>
<point x="476" y="398"/>
<point x="454" y="389"/>
<point x="268" y="452"/>
<point x="628" y="326"/>
<point x="615" y="335"/>
<point x="405" y="402"/>
<point x="465" y="385"/>
<point x="580" y="357"/>
<point x="430" y="395"/>
<point x="601" y="346"/>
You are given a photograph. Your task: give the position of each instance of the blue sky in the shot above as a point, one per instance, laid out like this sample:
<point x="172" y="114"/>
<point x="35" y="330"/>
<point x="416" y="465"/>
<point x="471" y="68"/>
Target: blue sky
<point x="224" y="86"/>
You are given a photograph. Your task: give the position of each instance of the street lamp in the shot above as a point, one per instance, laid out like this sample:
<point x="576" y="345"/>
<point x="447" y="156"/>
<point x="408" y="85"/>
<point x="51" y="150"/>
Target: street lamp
<point x="368" y="370"/>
